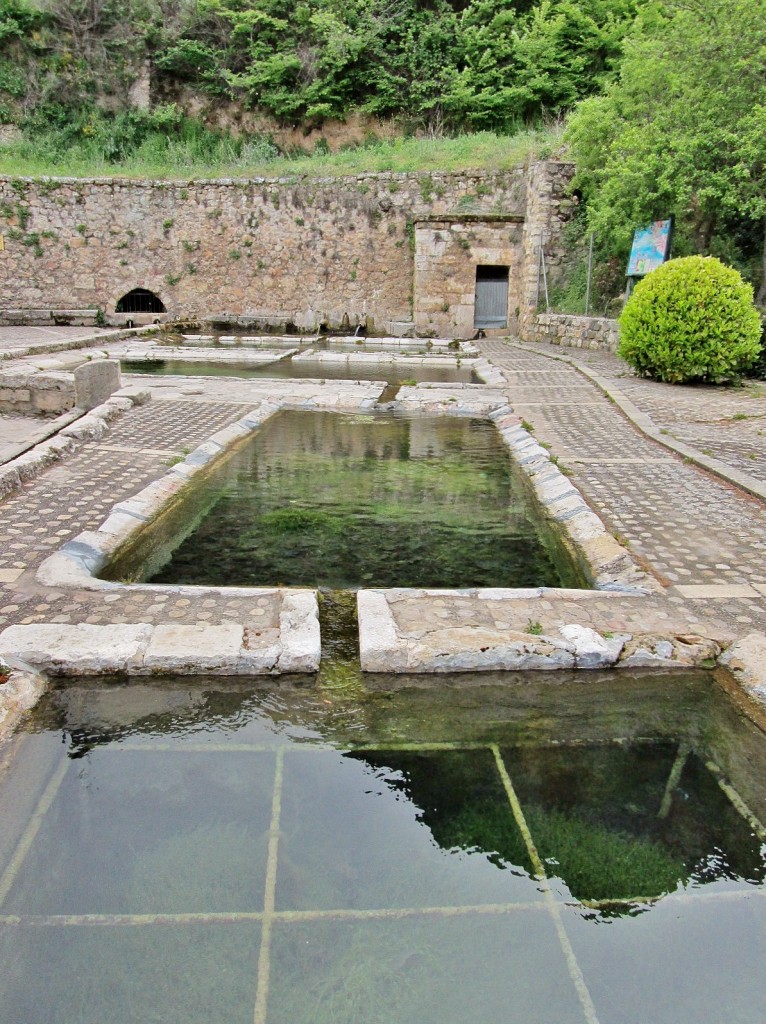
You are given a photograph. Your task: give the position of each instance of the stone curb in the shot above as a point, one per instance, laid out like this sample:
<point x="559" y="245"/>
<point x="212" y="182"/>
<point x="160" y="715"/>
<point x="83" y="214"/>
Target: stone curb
<point x="87" y="341"/>
<point x="745" y="661"/>
<point x="643" y="422"/>
<point x="18" y="694"/>
<point x="611" y="565"/>
<point x="475" y="647"/>
<point x="78" y="561"/>
<point x="142" y="649"/>
<point x="492" y="375"/>
<point x="48" y="430"/>
<point x="85" y="427"/>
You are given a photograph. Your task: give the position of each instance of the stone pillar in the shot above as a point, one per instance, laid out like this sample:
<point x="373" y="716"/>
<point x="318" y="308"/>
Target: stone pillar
<point x="95" y="382"/>
<point x="549" y="208"/>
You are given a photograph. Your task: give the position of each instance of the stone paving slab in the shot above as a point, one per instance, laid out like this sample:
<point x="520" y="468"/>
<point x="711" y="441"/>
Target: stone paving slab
<point x="725" y="424"/>
<point x="77" y="494"/>
<point x="491" y="630"/>
<point x="278" y="632"/>
<point x="74" y="429"/>
<point x="685" y="526"/>
<point x="19" y="433"/>
<point x="15" y="339"/>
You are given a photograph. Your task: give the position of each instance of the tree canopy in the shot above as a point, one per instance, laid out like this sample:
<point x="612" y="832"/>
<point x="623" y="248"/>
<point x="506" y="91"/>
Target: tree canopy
<point x="437" y="64"/>
<point x="681" y="131"/>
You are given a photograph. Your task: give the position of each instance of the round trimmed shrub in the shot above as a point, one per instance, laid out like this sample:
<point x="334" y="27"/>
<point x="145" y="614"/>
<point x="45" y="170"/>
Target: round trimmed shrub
<point x="692" y="319"/>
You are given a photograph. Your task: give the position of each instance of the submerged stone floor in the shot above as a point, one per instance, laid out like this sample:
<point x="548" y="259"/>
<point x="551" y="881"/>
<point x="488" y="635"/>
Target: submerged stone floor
<point x="701" y="536"/>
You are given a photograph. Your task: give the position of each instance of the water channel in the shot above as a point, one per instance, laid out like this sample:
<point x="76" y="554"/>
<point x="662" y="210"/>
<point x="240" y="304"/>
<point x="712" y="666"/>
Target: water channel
<point x="353" y="359"/>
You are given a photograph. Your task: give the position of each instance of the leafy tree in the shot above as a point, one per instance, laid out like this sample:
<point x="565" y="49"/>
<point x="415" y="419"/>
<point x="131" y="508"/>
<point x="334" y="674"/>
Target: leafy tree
<point x="683" y="130"/>
<point x="17" y="19"/>
<point x="441" y="65"/>
<point x="569" y="50"/>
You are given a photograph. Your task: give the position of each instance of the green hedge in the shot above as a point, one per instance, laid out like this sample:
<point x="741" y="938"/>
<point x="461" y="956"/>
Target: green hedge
<point x="692" y="319"/>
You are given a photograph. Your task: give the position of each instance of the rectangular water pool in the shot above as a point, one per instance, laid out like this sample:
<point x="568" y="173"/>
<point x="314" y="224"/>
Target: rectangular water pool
<point x="307" y="369"/>
<point x="544" y="851"/>
<point x="341" y="501"/>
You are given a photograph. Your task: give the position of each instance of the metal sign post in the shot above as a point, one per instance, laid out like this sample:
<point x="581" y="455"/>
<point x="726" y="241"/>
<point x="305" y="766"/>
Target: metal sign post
<point x="587" y="282"/>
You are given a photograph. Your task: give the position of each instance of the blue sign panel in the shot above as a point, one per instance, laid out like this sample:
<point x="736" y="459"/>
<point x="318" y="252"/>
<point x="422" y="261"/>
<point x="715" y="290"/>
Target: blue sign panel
<point x="650" y="248"/>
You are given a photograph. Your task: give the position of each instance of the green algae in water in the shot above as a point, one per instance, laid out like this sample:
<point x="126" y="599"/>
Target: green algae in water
<point x="596" y="817"/>
<point x="320" y="499"/>
<point x="340" y="672"/>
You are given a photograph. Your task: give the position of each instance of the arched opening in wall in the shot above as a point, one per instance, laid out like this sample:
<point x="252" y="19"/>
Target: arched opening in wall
<point x="491" y="307"/>
<point x="140" y="300"/>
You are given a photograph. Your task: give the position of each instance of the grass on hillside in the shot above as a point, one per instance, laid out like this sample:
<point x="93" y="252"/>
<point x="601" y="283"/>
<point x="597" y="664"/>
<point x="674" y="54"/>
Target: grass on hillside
<point x="162" y="157"/>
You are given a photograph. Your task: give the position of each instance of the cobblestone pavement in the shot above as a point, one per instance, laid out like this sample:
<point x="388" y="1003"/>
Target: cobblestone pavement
<point x="698" y="534"/>
<point x="704" y="539"/>
<point x="15" y="339"/>
<point x="77" y="495"/>
<point x="728" y="423"/>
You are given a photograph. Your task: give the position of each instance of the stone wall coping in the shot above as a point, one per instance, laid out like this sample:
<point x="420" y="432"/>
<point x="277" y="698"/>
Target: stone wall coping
<point x="474" y="217"/>
<point x="257" y="180"/>
<point x="580" y="317"/>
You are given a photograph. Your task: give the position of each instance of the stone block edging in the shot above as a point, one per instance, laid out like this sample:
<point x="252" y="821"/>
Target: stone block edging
<point x="494" y="634"/>
<point x="69" y="649"/>
<point x="78" y="561"/>
<point x="19" y="693"/>
<point x="611" y="565"/>
<point x="745" y="661"/>
<point x="142" y="649"/>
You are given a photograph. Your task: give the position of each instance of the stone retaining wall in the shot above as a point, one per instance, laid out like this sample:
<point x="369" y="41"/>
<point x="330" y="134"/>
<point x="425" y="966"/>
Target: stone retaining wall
<point x="307" y="251"/>
<point x="49" y="318"/>
<point x="35" y="394"/>
<point x="573" y="331"/>
<point x="49" y="393"/>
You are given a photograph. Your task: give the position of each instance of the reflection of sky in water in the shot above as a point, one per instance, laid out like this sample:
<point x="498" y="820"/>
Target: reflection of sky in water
<point x="308" y="369"/>
<point x="147" y="855"/>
